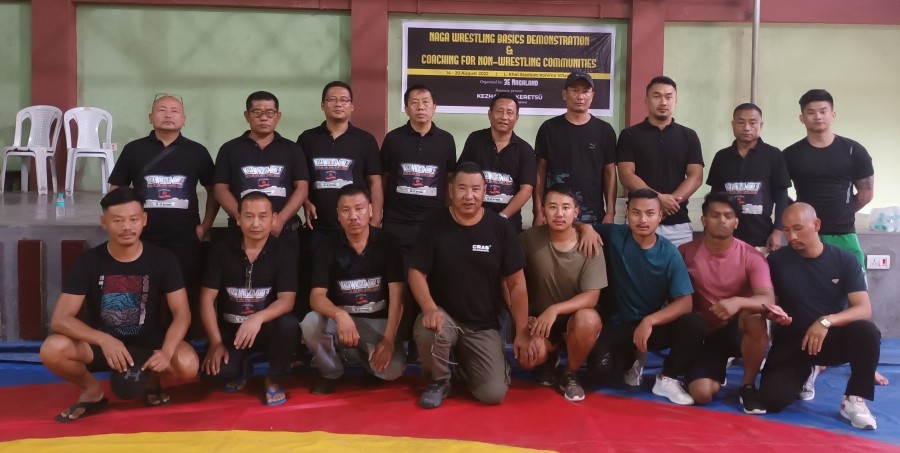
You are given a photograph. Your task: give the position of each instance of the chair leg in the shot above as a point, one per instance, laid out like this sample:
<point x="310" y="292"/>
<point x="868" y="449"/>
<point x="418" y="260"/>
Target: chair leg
<point x="40" y="170"/>
<point x="70" y="173"/>
<point x="3" y="174"/>
<point x="26" y="170"/>
<point x="52" y="162"/>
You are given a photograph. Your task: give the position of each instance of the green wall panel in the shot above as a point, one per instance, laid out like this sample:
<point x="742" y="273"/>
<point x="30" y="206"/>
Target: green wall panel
<point x="15" y="72"/>
<point x="213" y="58"/>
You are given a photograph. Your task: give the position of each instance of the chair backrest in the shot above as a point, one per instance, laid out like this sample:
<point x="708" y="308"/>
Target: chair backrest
<point x="46" y="121"/>
<point x="88" y="120"/>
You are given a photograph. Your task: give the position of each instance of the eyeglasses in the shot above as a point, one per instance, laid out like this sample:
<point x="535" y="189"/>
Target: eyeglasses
<point x="167" y="95"/>
<point x="258" y="113"/>
<point x="341" y="100"/>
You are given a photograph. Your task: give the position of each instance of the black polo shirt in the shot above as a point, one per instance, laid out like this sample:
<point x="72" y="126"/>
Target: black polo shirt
<point x="358" y="283"/>
<point x="752" y="181"/>
<point x="244" y="287"/>
<point x="661" y="158"/>
<point x="465" y="265"/>
<point x="169" y="186"/>
<point x="335" y="163"/>
<point x="417" y="167"/>
<point x="824" y="179"/>
<point x="246" y="168"/>
<point x="504" y="171"/>
<point x="576" y="155"/>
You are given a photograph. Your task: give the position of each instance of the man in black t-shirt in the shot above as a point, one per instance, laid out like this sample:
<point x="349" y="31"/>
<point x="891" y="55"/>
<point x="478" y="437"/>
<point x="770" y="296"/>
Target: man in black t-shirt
<point x="338" y="154"/>
<point x="252" y="282"/>
<point x="579" y="150"/>
<point x="823" y="289"/>
<point x="356" y="298"/>
<point x="123" y="284"/>
<point x="165" y="167"/>
<point x="507" y="161"/>
<point x="455" y="269"/>
<point x="418" y="159"/>
<point x="754" y="173"/>
<point x="826" y="168"/>
<point x="261" y="160"/>
<point x="665" y="157"/>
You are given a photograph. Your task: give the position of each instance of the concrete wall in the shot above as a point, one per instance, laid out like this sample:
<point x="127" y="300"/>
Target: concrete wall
<point x="857" y="64"/>
<point x="15" y="70"/>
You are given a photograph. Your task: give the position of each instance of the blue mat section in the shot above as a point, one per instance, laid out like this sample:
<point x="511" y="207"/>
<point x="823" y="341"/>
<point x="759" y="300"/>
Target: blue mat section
<point x="20" y="365"/>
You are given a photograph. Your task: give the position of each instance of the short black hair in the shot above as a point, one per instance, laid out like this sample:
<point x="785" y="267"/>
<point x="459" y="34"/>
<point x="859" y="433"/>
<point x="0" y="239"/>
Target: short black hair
<point x="720" y="197"/>
<point x="505" y="95"/>
<point x="354" y="189"/>
<point x="253" y="196"/>
<point x="662" y="80"/>
<point x="469" y="168"/>
<point x="815" y="95"/>
<point x="261" y="96"/>
<point x="417" y="87"/>
<point x="119" y="196"/>
<point x="645" y="193"/>
<point x="339" y="84"/>
<point x="562" y="189"/>
<point x="747" y="106"/>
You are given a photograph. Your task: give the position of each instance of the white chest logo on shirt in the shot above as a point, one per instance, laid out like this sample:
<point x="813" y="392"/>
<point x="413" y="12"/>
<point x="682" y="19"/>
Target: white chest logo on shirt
<point x="742" y="187"/>
<point x="835" y="280"/>
<point x="176" y="181"/>
<point x="493" y="177"/>
<point x="481" y="248"/>
<point x="251" y="171"/>
<point x="250" y="295"/>
<point x="325" y="163"/>
<point x="360" y="285"/>
<point x="419" y="170"/>
<point x="592" y="145"/>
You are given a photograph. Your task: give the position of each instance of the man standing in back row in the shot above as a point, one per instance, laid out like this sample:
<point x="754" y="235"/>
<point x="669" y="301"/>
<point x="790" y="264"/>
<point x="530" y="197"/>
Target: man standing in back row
<point x="578" y="149"/>
<point x="665" y="157"/>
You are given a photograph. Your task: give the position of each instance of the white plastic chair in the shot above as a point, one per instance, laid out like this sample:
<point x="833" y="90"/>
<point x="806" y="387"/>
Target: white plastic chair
<point x="43" y="135"/>
<point x="88" y="120"/>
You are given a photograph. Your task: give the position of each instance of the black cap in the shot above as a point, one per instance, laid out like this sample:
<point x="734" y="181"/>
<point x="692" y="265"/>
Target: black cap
<point x="577" y="75"/>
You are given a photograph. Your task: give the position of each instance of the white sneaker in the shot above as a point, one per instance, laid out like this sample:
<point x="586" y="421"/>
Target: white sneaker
<point x="673" y="390"/>
<point x="854" y="408"/>
<point x="632" y="377"/>
<point x="809" y="387"/>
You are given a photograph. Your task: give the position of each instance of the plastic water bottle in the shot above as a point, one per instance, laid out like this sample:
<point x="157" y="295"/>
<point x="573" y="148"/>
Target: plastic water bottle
<point x="60" y="205"/>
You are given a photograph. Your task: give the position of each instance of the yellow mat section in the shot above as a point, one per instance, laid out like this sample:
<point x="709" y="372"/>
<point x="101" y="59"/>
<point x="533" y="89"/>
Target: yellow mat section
<point x="244" y="441"/>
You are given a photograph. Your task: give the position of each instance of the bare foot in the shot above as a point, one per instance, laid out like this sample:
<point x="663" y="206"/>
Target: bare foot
<point x="880" y="379"/>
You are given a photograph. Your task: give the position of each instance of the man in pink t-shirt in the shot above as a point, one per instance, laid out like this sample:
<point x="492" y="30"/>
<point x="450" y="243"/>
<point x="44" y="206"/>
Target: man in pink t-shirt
<point x="732" y="287"/>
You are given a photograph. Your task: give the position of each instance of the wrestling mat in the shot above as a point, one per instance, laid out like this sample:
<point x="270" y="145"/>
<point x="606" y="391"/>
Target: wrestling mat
<point x="387" y="418"/>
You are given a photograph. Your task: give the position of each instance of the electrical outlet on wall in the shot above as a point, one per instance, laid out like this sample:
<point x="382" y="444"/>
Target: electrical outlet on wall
<point x="878" y="261"/>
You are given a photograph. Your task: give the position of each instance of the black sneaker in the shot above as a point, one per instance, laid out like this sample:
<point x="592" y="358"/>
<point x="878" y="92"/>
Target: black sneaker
<point x="545" y="373"/>
<point x="323" y="386"/>
<point x="434" y="394"/>
<point x="570" y="387"/>
<point x="750" y="400"/>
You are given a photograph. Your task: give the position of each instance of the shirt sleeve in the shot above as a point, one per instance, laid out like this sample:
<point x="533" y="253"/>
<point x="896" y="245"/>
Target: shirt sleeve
<point x="854" y="279"/>
<point x="286" y="278"/>
<point x="541" y="142"/>
<point x="713" y="178"/>
<point x="527" y="165"/>
<point x="385" y="155"/>
<point x="83" y="273"/>
<point x="679" y="279"/>
<point x="780" y="177"/>
<point x="373" y="161"/>
<point x="609" y="156"/>
<point x="593" y="274"/>
<point x="513" y="258"/>
<point x="393" y="271"/>
<point x="862" y="162"/>
<point x="222" y="169"/>
<point x="758" y="271"/>
<point x="172" y="278"/>
<point x="120" y="175"/>
<point x="322" y="261"/>
<point x="421" y="257"/>
<point x="450" y="165"/>
<point x="625" y="147"/>
<point x="301" y="172"/>
<point x="212" y="274"/>
<point x="468" y="148"/>
<point x="207" y="168"/>
<point x="695" y="151"/>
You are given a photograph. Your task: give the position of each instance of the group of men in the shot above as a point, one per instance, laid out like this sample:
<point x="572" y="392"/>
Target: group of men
<point x="410" y="243"/>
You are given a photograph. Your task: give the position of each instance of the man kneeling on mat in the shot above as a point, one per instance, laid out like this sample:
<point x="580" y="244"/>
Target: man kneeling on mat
<point x="254" y="283"/>
<point x="123" y="282"/>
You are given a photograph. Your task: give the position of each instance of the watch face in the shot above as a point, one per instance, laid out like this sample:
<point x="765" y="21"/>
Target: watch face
<point x="824" y="322"/>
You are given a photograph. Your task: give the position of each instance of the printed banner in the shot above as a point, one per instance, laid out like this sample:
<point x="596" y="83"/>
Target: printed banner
<point x="466" y="64"/>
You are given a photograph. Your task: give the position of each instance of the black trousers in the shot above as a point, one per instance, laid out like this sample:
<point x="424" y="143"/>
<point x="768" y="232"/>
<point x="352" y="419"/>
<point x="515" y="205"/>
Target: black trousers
<point x="615" y="350"/>
<point x="788" y="366"/>
<point x="278" y="338"/>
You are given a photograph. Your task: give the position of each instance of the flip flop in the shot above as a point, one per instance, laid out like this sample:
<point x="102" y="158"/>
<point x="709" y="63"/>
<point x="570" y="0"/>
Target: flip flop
<point x="235" y="386"/>
<point x="271" y="393"/>
<point x="161" y="399"/>
<point x="90" y="408"/>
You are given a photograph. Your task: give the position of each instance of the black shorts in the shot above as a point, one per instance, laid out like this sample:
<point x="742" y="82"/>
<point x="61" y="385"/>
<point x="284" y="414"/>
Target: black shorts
<point x="99" y="362"/>
<point x="718" y="346"/>
<point x="558" y="330"/>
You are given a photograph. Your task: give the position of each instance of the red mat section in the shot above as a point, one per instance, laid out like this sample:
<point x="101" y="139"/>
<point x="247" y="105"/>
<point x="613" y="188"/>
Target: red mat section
<point x="531" y="417"/>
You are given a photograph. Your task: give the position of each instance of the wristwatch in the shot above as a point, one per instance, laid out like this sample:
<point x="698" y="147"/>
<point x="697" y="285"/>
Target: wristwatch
<point x="824" y="322"/>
